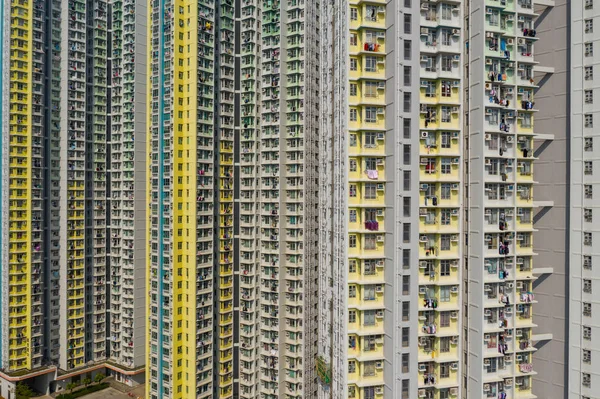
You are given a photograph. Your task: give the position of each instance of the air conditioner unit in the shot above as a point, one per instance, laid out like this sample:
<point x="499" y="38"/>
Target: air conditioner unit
<point x="380" y="110"/>
<point x="379" y="212"/>
<point x="380" y="187"/>
<point x="422" y="393"/>
<point x="454" y="289"/>
<point x="509" y="139"/>
<point x="422" y="367"/>
<point x="424" y="31"/>
<point x="510" y="285"/>
<point x="381" y="35"/>
<point x="423" y="239"/>
<point x="380" y="136"/>
<point x="454" y="212"/>
<point x="455" y="161"/>
<point x="379" y="288"/>
<point x="521" y="41"/>
<point x="488" y="86"/>
<point x="379" y="364"/>
<point x="456" y="57"/>
<point x="424" y="187"/>
<point x="488" y="161"/>
<point x="424" y="134"/>
<point x="454" y="237"/>
<point x="379" y="161"/>
<point x="455" y="32"/>
<point x="381" y="85"/>
<point x="510" y="17"/>
<point x="520" y="261"/>
<point x="488" y="61"/>
<point x="518" y="333"/>
<point x="423" y="264"/>
<point x="510" y="187"/>
<point x="453" y="391"/>
<point x="519" y="358"/>
<point x="422" y="290"/>
<point x="424" y="58"/>
<point x="455" y="135"/>
<point x="423" y="161"/>
<point x="380" y="238"/>
<point x="454" y="315"/>
<point x="454" y="186"/>
<point x="379" y="313"/>
<point x="379" y="390"/>
<point x="488" y="137"/>
<point x="510" y="90"/>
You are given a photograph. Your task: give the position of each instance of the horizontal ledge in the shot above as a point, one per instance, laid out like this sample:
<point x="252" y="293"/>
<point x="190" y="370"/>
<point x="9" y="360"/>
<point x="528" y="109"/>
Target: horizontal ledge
<point x="543" y="270"/>
<point x="544" y="137"/>
<point x="543" y="69"/>
<point x="542" y="337"/>
<point x="543" y="204"/>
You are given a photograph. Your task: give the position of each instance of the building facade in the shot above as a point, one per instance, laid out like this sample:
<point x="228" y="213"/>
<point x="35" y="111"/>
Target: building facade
<point x="68" y="305"/>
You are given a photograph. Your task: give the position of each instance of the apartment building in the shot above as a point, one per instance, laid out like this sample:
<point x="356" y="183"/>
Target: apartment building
<point x="68" y="303"/>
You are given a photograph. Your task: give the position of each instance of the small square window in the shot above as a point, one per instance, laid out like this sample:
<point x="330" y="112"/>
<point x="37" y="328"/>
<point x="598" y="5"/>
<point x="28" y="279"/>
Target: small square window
<point x="587" y="309"/>
<point x="587" y="239"/>
<point x="589" y="4"/>
<point x="589" y="72"/>
<point x="588" y="168"/>
<point x="353" y="14"/>
<point x="587" y="286"/>
<point x="589" y="49"/>
<point x="587" y="215"/>
<point x="589" y="96"/>
<point x="588" y="191"/>
<point x="586" y="356"/>
<point x="588" y="144"/>
<point x="588" y="120"/>
<point x="587" y="333"/>
<point x="589" y="26"/>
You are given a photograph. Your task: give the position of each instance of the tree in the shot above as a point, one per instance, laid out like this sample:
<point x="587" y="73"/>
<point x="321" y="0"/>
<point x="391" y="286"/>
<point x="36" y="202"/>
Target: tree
<point x="71" y="386"/>
<point x="87" y="381"/>
<point x="23" y="391"/>
<point x="99" y="377"/>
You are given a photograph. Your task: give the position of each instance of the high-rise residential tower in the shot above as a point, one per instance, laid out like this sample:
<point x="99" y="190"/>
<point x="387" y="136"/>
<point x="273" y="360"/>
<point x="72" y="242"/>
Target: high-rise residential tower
<point x="67" y="304"/>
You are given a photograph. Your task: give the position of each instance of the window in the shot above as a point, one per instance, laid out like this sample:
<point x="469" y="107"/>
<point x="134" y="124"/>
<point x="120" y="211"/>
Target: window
<point x="353" y="39"/>
<point x="444" y="370"/>
<point x="446" y="167"/>
<point x="406" y="180"/>
<point x="353" y="64"/>
<point x="588" y="167"/>
<point x="352" y="291"/>
<point x="370" y="191"/>
<point x="446" y="191"/>
<point x="371" y="14"/>
<point x="587" y="356"/>
<point x="445" y="268"/>
<point x="369" y="267"/>
<point x="405" y="362"/>
<point x="588" y="144"/>
<point x="370" y="242"/>
<point x="405" y="389"/>
<point x="586" y="380"/>
<point x="589" y="26"/>
<point x="370" y="114"/>
<point x="589" y="96"/>
<point x="587" y="215"/>
<point x="587" y="262"/>
<point x="371" y="89"/>
<point x="353" y="165"/>
<point x="405" y="311"/>
<point x="445" y="344"/>
<point x="587" y="286"/>
<point x="405" y="336"/>
<point x="587" y="333"/>
<point x="445" y="319"/>
<point x="352" y="266"/>
<point x="406" y="232"/>
<point x="352" y="316"/>
<point x="352" y="189"/>
<point x="407" y="50"/>
<point x="446" y="139"/>
<point x="589" y="4"/>
<point x="405" y="285"/>
<point x="407" y="101"/>
<point x="445" y="242"/>
<point x="446" y="11"/>
<point x="352" y="241"/>
<point x="407" y="23"/>
<point x="444" y="393"/>
<point x="406" y="128"/>
<point x="587" y="238"/>
<point x="353" y="14"/>
<point x="406" y="154"/>
<point x="406" y="206"/>
<point x="407" y="76"/>
<point x="446" y="114"/>
<point x="406" y="258"/>
<point x="370" y="140"/>
<point x="589" y="72"/>
<point x="353" y="89"/>
<point x="588" y="190"/>
<point x="369" y="318"/>
<point x="445" y="216"/>
<point x="370" y="64"/>
<point x="353" y="115"/>
<point x="447" y="63"/>
<point x="589" y="49"/>
<point x="444" y="294"/>
<point x="370" y="391"/>
<point x="526" y="121"/>
<point x="587" y="309"/>
<point x="351" y="366"/>
<point x="369" y="292"/>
